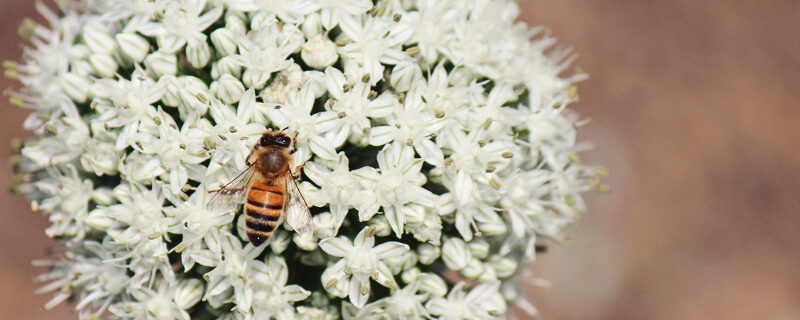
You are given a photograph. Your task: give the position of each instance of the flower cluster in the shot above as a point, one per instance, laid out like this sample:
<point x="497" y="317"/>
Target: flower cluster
<point x="436" y="143"/>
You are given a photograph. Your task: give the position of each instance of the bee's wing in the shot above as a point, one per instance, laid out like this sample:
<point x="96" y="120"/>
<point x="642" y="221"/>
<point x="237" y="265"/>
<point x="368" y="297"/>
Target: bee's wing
<point x="297" y="214"/>
<point x="232" y="193"/>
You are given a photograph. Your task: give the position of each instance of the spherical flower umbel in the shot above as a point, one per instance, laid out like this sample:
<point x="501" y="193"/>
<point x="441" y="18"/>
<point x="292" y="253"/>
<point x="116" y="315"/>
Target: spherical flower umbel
<point x="437" y="148"/>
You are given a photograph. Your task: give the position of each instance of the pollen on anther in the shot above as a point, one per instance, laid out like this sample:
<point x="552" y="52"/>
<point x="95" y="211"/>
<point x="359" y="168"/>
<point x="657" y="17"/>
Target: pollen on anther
<point x="371" y="231"/>
<point x="180" y="248"/>
<point x="494" y="183"/>
<point x="330" y="283"/>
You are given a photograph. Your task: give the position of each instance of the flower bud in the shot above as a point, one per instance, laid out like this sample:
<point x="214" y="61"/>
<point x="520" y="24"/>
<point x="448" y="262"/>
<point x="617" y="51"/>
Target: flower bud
<point x="311" y="26"/>
<point x="235" y="22"/>
<point x="78" y="52"/>
<point x="97" y="39"/>
<point x="98" y="219"/>
<point x="198" y="56"/>
<point x="171" y="97"/>
<point x="473" y="269"/>
<point x="224" y="40"/>
<point x="255" y="79"/>
<point x="455" y="253"/>
<point x="75" y="86"/>
<point x="428" y="253"/>
<point x="381" y="224"/>
<point x="82" y="67"/>
<point x="308" y="243"/>
<point x="510" y="290"/>
<point x="228" y="89"/>
<point x="401" y="262"/>
<point x="488" y="273"/>
<point x="433" y="284"/>
<point x="319" y="52"/>
<point x="324" y="225"/>
<point x="194" y="95"/>
<point x="162" y="63"/>
<point x="279" y="241"/>
<point x="103" y="196"/>
<point x="479" y="248"/>
<point x="493" y="228"/>
<point x="503" y="266"/>
<point x="103" y="64"/>
<point x="133" y="46"/>
<point x="410" y="275"/>
<point x="225" y="65"/>
<point x="189" y="293"/>
<point x="403" y="75"/>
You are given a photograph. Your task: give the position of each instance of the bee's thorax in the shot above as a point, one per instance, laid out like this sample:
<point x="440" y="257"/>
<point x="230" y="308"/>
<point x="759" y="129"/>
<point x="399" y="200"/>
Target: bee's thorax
<point x="273" y="163"/>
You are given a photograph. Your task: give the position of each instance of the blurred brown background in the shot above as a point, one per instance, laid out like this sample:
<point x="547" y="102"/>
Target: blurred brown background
<point x="696" y="112"/>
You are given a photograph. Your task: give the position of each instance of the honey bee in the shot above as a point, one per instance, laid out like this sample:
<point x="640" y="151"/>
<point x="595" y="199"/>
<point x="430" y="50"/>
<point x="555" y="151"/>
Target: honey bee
<point x="269" y="187"/>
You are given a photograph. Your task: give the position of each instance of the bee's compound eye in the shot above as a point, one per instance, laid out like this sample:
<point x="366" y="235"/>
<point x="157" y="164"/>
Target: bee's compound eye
<point x="284" y="141"/>
<point x="265" y="140"/>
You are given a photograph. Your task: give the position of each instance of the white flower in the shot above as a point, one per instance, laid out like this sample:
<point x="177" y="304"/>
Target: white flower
<point x="374" y="41"/>
<point x="432" y="26"/>
<point x="183" y="22"/>
<point x="338" y="187"/>
<point x="412" y="124"/>
<point x="272" y="297"/>
<point x="178" y="152"/>
<point x="319" y="52"/>
<point x="158" y="303"/>
<point x="352" y="101"/>
<point x="233" y="134"/>
<point x="289" y="11"/>
<point x="235" y="269"/>
<point x="407" y="303"/>
<point x="334" y="11"/>
<point x="68" y="204"/>
<point x="396" y="182"/>
<point x="91" y="271"/>
<point x="129" y="102"/>
<point x="315" y="131"/>
<point x="482" y="302"/>
<point x="265" y="50"/>
<point x="198" y="227"/>
<point x="361" y="260"/>
<point x="141" y="210"/>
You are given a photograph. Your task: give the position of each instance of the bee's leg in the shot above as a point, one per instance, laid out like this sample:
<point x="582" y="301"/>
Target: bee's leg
<point x="248" y="161"/>
<point x="296" y="172"/>
<point x="294" y="143"/>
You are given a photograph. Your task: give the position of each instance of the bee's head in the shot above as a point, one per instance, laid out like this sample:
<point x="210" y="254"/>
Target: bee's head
<point x="279" y="139"/>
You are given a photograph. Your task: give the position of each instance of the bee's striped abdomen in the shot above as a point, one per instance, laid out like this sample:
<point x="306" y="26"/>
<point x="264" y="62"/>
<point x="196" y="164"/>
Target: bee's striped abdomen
<point x="262" y="211"/>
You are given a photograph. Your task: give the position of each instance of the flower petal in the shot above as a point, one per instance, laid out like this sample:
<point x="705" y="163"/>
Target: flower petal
<point x="390" y="249"/>
<point x="337" y="247"/>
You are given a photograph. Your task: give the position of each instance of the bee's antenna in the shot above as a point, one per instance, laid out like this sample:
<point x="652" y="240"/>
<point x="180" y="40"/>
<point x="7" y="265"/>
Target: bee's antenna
<point x="284" y="129"/>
